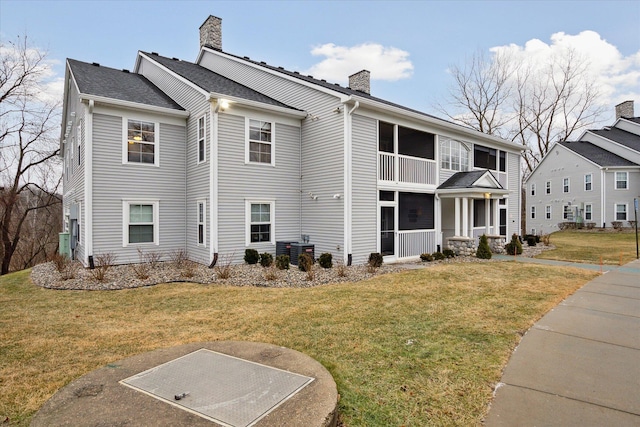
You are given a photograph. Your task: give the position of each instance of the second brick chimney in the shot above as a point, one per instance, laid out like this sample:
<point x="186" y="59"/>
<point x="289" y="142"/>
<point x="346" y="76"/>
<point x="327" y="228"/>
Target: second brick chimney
<point x="361" y="81"/>
<point x="211" y="33"/>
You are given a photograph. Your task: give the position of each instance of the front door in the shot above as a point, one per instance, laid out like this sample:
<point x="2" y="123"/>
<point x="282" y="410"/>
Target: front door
<point x="387" y="230"/>
<point x="503" y="221"/>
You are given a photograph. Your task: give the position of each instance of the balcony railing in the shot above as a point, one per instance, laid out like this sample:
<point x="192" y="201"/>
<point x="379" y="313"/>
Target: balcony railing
<point x="416" y="242"/>
<point x="406" y="169"/>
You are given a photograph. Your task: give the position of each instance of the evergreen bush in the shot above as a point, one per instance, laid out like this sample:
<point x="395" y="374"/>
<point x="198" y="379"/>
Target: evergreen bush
<point x="325" y="260"/>
<point x="448" y="253"/>
<point x="438" y="256"/>
<point x="426" y="257"/>
<point x="282" y="262"/>
<point x="251" y="256"/>
<point x="483" y="251"/>
<point x="266" y="259"/>
<point x="375" y="259"/>
<point x="514" y="247"/>
<point x="305" y="262"/>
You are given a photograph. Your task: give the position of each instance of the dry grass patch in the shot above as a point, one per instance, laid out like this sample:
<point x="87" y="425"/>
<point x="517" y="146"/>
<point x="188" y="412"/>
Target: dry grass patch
<point x="422" y="347"/>
<point x="589" y="246"/>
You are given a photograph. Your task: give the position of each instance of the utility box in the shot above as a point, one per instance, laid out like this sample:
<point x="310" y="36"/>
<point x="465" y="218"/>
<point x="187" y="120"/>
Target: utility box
<point x="63" y="244"/>
<point x="284" y="248"/>
<point x="301" y="248"/>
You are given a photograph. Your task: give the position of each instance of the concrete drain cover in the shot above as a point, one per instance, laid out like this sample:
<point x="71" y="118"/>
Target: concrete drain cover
<point x="221" y="388"/>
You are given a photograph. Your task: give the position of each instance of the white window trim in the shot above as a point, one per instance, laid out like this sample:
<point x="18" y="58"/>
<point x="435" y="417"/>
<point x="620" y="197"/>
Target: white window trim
<point x="247" y="220"/>
<point x="533" y="212"/>
<point x="547" y="187"/>
<point x="464" y="166"/>
<point x="202" y="202"/>
<point x="125" y="221"/>
<point x="565" y="212"/>
<point x="247" y="123"/>
<point x="203" y="139"/>
<point x="626" y="211"/>
<point x="533" y="189"/>
<point x="568" y="185"/>
<point x="626" y="180"/>
<point x="125" y="141"/>
<point x="548" y="213"/>
<point x="590" y="212"/>
<point x="79" y="223"/>
<point x="590" y="182"/>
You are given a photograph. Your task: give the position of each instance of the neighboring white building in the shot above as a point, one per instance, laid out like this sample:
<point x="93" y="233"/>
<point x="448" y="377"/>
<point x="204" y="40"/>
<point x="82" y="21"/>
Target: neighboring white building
<point x="226" y="153"/>
<point x="592" y="181"/>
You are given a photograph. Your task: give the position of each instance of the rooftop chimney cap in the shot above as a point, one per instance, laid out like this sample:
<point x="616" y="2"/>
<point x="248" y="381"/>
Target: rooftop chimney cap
<point x="361" y="81"/>
<point x="211" y="32"/>
<point x="624" y="110"/>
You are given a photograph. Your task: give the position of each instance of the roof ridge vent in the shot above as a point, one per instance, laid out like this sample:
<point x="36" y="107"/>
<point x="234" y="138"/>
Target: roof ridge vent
<point x="95" y="64"/>
<point x="175" y="59"/>
<point x="124" y="70"/>
<point x="155" y="53"/>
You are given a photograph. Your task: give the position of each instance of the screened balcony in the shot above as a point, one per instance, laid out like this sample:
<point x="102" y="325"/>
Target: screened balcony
<point x="405" y="155"/>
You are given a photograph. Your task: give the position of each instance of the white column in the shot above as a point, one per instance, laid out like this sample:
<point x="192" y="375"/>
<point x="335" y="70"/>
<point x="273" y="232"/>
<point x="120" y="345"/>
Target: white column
<point x="465" y="217"/>
<point x="487" y="216"/>
<point x="496" y="217"/>
<point x="457" y="217"/>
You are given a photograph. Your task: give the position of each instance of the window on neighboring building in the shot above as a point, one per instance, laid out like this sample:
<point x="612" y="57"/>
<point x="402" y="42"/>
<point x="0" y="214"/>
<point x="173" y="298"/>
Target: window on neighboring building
<point x="588" y="212"/>
<point x="454" y="155"/>
<point x="260" y="217"/>
<point x="588" y="178"/>
<point x="533" y="212"/>
<point x="565" y="185"/>
<point x="202" y="142"/>
<point x="548" y="187"/>
<point x="621" y="212"/>
<point x="621" y="180"/>
<point x="533" y="189"/>
<point x="79" y="138"/>
<point x="260" y="142"/>
<point x="484" y="157"/>
<point x="547" y="211"/>
<point x="566" y="213"/>
<point x="141" y="142"/>
<point x="201" y="222"/>
<point x="140" y="222"/>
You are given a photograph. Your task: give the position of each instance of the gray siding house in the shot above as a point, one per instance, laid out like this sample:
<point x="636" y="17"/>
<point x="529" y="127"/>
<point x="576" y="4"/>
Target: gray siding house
<point x="226" y="153"/>
<point x="591" y="182"/>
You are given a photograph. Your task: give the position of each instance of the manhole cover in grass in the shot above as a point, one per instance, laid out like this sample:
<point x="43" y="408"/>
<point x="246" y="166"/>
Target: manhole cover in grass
<point x="225" y="389"/>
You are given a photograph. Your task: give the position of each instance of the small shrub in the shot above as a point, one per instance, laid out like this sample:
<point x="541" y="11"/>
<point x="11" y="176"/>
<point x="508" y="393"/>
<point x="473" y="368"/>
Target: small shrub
<point x="426" y="257"/>
<point x="531" y="240"/>
<point x="266" y="259"/>
<point x="178" y="258"/>
<point x="546" y="239"/>
<point x="270" y="273"/>
<point x="375" y="260"/>
<point x="311" y="274"/>
<point x="483" y="251"/>
<point x="325" y="260"/>
<point x="514" y="247"/>
<point x="632" y="224"/>
<point x="282" y="262"/>
<point x="438" y="256"/>
<point x="617" y="225"/>
<point x="103" y="263"/>
<point x="305" y="262"/>
<point x="223" y="267"/>
<point x="341" y="269"/>
<point x="65" y="266"/>
<point x="590" y="225"/>
<point x="251" y="256"/>
<point x="448" y="253"/>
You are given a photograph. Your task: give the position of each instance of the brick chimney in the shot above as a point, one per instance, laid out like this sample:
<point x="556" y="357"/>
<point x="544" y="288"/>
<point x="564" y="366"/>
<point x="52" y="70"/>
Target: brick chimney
<point x="361" y="81"/>
<point x="624" y="110"/>
<point x="211" y="33"/>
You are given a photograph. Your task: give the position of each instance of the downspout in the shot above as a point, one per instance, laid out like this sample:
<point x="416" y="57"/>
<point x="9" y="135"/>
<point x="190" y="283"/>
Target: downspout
<point x="603" y="196"/>
<point x="438" y="220"/>
<point x="300" y="182"/>
<point x="88" y="182"/>
<point x="348" y="184"/>
<point x="213" y="182"/>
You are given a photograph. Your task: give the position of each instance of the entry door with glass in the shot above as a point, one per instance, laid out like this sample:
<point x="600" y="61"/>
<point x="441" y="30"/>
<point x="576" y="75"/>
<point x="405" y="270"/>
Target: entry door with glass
<point x="387" y="230"/>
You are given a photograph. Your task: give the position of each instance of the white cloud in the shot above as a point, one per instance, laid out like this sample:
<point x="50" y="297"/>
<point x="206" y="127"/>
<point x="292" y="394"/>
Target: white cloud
<point x="384" y="63"/>
<point x="617" y="76"/>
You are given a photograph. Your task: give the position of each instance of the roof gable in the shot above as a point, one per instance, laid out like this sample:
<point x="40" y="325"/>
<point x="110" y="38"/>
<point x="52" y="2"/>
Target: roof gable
<point x="595" y="154"/>
<point x="473" y="179"/>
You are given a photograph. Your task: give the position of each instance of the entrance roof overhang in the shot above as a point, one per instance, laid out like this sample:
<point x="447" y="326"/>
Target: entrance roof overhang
<point x="480" y="184"/>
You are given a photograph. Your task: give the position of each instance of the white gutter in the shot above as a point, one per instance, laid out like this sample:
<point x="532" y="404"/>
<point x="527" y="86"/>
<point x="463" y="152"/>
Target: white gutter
<point x="88" y="182"/>
<point x="348" y="183"/>
<point x="133" y="105"/>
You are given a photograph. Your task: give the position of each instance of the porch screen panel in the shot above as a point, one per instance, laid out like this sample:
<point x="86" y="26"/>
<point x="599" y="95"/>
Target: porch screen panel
<point x="385" y="137"/>
<point x="415" y="143"/>
<point x="415" y="211"/>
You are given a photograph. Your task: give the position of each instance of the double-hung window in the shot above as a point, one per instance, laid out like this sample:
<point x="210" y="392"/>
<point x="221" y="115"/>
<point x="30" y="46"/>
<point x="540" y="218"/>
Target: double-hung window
<point x="260" y="221"/>
<point x="533" y="189"/>
<point x="588" y="212"/>
<point x="140" y="222"/>
<point x="202" y="140"/>
<point x="260" y="142"/>
<point x="566" y="212"/>
<point x="202" y="213"/>
<point x="621" y="212"/>
<point x="547" y="211"/>
<point x="622" y="180"/>
<point x="588" y="182"/>
<point x="141" y="142"/>
<point x="565" y="185"/>
<point x="533" y="212"/>
<point x="548" y="187"/>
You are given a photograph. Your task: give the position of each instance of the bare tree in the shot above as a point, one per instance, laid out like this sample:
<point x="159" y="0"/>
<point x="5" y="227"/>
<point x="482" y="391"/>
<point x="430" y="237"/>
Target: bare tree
<point x="28" y="147"/>
<point x="534" y="104"/>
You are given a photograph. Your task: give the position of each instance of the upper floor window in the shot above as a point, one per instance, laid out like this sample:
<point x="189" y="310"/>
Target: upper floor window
<point x="141" y="142"/>
<point x="260" y="142"/>
<point x="533" y="189"/>
<point x="533" y="212"/>
<point x="565" y="185"/>
<point x="588" y="178"/>
<point x="202" y="142"/>
<point x="621" y="180"/>
<point x="454" y="155"/>
<point x="548" y="187"/>
<point x="484" y="157"/>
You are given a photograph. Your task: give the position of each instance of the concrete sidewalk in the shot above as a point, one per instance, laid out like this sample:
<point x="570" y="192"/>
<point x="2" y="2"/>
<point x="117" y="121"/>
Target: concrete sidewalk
<point x="580" y="364"/>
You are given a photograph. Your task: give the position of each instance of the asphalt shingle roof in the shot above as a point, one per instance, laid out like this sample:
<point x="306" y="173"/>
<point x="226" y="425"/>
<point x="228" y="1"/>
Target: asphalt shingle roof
<point x="463" y="180"/>
<point x="213" y="82"/>
<point x="93" y="79"/>
<point x="598" y="155"/>
<point x="620" y="136"/>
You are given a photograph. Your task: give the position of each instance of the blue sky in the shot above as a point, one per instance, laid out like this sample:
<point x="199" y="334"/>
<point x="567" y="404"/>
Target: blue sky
<point x="416" y="40"/>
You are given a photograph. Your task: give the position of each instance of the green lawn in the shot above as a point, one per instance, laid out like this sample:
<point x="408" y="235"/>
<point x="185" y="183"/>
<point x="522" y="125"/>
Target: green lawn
<point x="591" y="247"/>
<point x="463" y="319"/>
